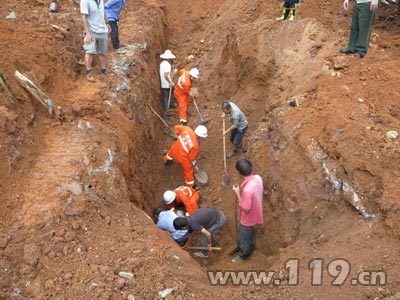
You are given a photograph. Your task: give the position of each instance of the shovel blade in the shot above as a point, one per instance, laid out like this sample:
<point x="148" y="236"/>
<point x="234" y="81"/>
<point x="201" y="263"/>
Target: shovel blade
<point x="225" y="179"/>
<point x="201" y="176"/>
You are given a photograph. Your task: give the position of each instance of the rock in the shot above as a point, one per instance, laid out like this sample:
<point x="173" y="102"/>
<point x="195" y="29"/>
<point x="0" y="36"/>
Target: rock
<point x="339" y="63"/>
<point x="164" y="293"/>
<point x="361" y="100"/>
<point x="120" y="283"/>
<point x="130" y="297"/>
<point x="75" y="188"/>
<point x="11" y="16"/>
<point x="31" y="254"/>
<point x="392" y="134"/>
<point x="75" y="206"/>
<point x="126" y="275"/>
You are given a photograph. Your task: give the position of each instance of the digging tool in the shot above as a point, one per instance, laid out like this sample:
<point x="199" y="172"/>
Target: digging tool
<point x="202" y="121"/>
<point x="169" y="99"/>
<point x="225" y="177"/>
<point x="200" y="175"/>
<point x="204" y="248"/>
<point x="162" y="120"/>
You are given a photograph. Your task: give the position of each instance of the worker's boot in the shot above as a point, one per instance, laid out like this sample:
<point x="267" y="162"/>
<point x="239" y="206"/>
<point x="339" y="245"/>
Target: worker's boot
<point x="284" y="16"/>
<point x="292" y="14"/>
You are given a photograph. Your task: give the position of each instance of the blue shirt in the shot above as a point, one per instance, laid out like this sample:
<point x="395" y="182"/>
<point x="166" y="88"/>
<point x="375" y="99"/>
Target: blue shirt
<point x="113" y="9"/>
<point x="166" y="222"/>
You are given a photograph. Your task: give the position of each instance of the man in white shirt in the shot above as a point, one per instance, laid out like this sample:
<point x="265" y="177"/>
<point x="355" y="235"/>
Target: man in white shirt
<point x="167" y="85"/>
<point x="95" y="35"/>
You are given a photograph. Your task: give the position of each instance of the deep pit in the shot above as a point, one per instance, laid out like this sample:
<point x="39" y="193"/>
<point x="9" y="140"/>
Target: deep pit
<point x="77" y="194"/>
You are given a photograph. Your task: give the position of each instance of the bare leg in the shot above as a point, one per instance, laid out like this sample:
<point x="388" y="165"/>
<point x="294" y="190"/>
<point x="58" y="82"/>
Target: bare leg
<point x="88" y="61"/>
<point x="103" y="61"/>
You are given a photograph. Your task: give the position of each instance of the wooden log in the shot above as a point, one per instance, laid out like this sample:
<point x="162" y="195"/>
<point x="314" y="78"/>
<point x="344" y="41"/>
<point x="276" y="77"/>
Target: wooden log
<point x="36" y="92"/>
<point x="4" y="87"/>
<point x="65" y="32"/>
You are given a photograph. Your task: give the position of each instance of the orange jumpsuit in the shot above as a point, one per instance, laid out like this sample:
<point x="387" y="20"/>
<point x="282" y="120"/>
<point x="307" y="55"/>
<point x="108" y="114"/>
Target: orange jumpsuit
<point x="184" y="151"/>
<point x="188" y="196"/>
<point x="181" y="93"/>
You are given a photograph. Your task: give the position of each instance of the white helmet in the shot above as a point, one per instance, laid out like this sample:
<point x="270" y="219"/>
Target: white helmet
<point x="169" y="197"/>
<point x="201" y="131"/>
<point x="194" y="73"/>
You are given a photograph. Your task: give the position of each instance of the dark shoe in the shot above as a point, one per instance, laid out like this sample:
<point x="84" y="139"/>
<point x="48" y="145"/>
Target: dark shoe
<point x="346" y="51"/>
<point x="183" y="123"/>
<point x="168" y="163"/>
<point x="359" y="54"/>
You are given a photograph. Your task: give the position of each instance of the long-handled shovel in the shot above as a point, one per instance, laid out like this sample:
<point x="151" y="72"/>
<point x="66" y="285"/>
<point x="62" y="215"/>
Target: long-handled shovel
<point x="169" y="99"/>
<point x="204" y="248"/>
<point x="172" y="133"/>
<point x="235" y="250"/>
<point x="200" y="175"/>
<point x="202" y="121"/>
<point x="225" y="177"/>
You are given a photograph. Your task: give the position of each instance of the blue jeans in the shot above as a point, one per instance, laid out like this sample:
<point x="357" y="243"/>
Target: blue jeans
<point x="213" y="230"/>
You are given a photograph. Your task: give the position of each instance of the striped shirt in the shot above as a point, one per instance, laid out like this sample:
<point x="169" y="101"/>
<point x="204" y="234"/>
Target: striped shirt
<point x="237" y="117"/>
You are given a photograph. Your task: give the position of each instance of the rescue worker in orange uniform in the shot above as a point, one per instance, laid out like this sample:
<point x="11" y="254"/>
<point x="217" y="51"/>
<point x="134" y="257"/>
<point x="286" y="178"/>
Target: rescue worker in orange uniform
<point x="185" y="150"/>
<point x="183" y="91"/>
<point x="183" y="195"/>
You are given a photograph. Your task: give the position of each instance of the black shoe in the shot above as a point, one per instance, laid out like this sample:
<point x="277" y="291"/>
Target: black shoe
<point x="346" y="51"/>
<point x="359" y="54"/>
<point x="168" y="163"/>
<point x="183" y="123"/>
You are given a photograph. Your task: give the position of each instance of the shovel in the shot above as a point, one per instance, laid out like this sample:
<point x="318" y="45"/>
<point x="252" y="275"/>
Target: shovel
<point x="204" y="248"/>
<point x="200" y="175"/>
<point x="169" y="99"/>
<point x="225" y="177"/>
<point x="172" y="133"/>
<point x="202" y="121"/>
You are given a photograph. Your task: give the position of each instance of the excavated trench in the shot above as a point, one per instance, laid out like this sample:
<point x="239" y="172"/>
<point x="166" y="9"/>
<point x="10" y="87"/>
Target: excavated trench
<point x="101" y="168"/>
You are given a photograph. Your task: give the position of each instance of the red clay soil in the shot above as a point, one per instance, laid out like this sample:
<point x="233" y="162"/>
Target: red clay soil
<point x="77" y="191"/>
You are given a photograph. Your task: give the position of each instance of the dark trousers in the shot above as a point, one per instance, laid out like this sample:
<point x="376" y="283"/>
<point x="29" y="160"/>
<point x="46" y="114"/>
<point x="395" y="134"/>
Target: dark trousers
<point x="114" y="34"/>
<point x="237" y="137"/>
<point x="165" y="96"/>
<point x="246" y="241"/>
<point x="361" y="26"/>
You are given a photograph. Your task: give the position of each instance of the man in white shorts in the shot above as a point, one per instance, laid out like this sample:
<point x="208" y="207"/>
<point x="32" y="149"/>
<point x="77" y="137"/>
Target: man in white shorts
<point x="95" y="35"/>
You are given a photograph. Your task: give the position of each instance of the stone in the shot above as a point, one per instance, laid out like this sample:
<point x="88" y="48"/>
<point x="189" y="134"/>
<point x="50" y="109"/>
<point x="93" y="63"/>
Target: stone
<point x="130" y="297"/>
<point x="126" y="275"/>
<point x="31" y="254"/>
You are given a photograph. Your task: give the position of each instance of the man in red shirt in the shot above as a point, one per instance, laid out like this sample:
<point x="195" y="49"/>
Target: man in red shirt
<point x="185" y="150"/>
<point x="250" y="207"/>
<point x="183" y="91"/>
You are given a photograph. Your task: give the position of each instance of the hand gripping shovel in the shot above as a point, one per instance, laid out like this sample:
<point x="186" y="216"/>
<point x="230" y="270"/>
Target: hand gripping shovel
<point x="225" y="177"/>
<point x="200" y="175"/>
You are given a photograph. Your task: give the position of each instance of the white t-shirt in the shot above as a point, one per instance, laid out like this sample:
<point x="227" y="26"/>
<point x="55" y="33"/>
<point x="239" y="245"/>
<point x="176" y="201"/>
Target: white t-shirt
<point x="165" y="67"/>
<point x="95" y="15"/>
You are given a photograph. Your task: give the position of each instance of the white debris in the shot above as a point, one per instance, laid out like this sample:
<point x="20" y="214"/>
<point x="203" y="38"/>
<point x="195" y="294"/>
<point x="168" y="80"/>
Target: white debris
<point x="11" y="16"/>
<point x="164" y="293"/>
<point x="392" y="134"/>
<point x="126" y="275"/>
<point x="106" y="166"/>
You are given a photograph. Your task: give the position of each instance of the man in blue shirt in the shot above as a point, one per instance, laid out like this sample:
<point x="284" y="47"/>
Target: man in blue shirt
<point x="165" y="221"/>
<point x="113" y="10"/>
